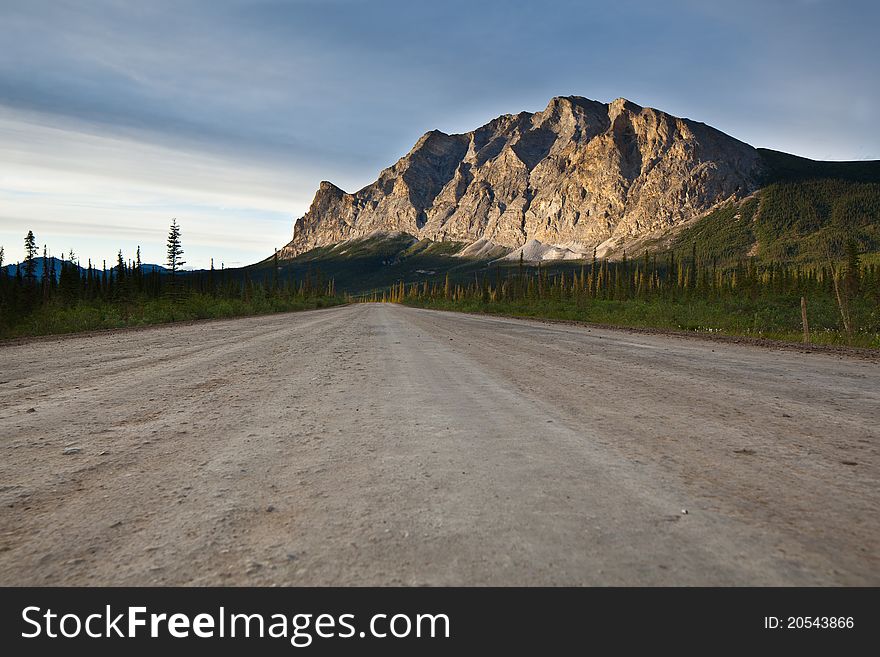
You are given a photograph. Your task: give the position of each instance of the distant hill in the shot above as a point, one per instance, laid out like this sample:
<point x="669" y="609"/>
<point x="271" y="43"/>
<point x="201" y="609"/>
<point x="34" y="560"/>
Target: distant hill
<point x="57" y="262"/>
<point x="783" y="167"/>
<point x="805" y="210"/>
<point x="790" y="221"/>
<point x="151" y="268"/>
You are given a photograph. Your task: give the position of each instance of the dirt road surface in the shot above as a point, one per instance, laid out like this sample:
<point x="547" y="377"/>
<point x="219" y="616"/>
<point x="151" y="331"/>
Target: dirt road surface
<point x="377" y="444"/>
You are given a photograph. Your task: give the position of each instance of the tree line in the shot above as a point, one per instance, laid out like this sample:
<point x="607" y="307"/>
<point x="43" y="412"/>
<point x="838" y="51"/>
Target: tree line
<point x="40" y="283"/>
<point x="852" y="286"/>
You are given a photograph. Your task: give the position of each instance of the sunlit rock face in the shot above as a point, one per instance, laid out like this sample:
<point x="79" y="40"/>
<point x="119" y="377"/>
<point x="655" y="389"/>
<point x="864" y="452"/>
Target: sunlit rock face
<point x="582" y="174"/>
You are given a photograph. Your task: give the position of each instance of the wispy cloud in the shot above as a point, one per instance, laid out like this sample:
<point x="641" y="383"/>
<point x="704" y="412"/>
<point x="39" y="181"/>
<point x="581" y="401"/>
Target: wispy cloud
<point x="97" y="194"/>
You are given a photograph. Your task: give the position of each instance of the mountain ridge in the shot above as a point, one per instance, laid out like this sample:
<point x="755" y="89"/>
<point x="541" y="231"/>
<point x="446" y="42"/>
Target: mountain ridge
<point x="580" y="175"/>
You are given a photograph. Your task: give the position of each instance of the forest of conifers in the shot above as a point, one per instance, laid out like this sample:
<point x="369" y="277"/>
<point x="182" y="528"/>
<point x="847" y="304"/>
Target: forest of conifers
<point x="841" y="302"/>
<point x="46" y="295"/>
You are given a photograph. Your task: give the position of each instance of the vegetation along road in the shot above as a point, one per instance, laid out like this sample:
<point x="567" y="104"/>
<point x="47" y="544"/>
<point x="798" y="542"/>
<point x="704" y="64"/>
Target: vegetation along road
<point x="379" y="444"/>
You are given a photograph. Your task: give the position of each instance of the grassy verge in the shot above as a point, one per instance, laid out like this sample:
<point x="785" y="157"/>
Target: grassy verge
<point x="56" y="318"/>
<point x="776" y="318"/>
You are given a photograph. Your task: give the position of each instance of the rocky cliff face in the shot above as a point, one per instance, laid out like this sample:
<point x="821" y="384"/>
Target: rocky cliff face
<point x="581" y="174"/>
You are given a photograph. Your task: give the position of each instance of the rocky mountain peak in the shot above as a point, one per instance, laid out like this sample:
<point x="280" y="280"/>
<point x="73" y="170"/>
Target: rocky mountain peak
<point x="327" y="186"/>
<point x="579" y="174"/>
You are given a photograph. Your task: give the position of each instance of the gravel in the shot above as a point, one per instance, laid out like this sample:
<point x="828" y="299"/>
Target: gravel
<point x="404" y="446"/>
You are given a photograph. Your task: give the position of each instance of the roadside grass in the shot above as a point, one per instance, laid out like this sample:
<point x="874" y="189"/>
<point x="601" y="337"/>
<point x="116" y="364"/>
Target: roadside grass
<point x="776" y="318"/>
<point x="58" y="318"/>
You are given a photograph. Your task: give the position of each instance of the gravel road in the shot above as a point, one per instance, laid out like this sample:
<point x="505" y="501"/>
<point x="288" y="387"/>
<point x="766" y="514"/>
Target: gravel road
<point x="377" y="444"/>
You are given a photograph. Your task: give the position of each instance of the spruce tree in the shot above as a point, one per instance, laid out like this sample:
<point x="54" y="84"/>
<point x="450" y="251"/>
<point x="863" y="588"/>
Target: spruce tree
<point x="44" y="277"/>
<point x="90" y="282"/>
<point x="69" y="282"/>
<point x="30" y="258"/>
<point x="2" y="278"/>
<point x="175" y="251"/>
<point x="138" y="272"/>
<point x="53" y="278"/>
<point x="594" y="274"/>
<point x="852" y="276"/>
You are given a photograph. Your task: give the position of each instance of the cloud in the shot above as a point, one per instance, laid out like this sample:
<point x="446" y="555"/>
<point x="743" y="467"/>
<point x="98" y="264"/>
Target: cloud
<point x="121" y="114"/>
<point x="98" y="194"/>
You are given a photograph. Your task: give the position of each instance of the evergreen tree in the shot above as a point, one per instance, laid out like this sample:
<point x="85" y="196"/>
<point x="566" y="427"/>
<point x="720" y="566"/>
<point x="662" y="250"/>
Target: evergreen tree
<point x="175" y="251"/>
<point x="138" y="272"/>
<point x="53" y="279"/>
<point x="69" y="283"/>
<point x="3" y="277"/>
<point x="30" y="258"/>
<point x="45" y="287"/>
<point x="852" y="277"/>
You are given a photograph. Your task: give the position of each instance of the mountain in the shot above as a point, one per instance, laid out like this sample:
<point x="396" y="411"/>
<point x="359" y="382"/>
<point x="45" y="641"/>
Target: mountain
<point x="578" y="175"/>
<point x="50" y="263"/>
<point x="148" y="269"/>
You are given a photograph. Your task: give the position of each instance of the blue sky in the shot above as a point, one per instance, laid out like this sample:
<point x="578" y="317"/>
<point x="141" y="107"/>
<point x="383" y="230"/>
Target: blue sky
<point x="116" y="116"/>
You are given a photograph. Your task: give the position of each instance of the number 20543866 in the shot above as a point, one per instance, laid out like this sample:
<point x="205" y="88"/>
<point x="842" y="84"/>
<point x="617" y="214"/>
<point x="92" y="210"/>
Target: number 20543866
<point x="809" y="622"/>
